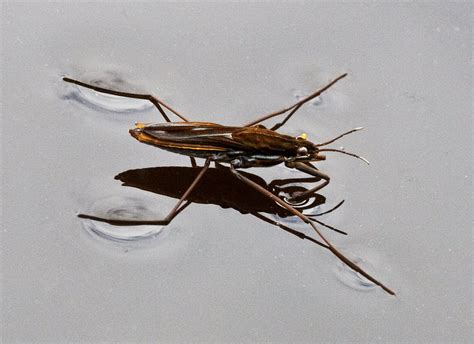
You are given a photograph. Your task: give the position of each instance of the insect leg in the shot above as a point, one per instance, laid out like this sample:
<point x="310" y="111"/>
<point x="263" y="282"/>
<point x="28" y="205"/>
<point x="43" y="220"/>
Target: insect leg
<point x="162" y="222"/>
<point x="279" y="186"/>
<point x="288" y="229"/>
<point x="295" y="106"/>
<point x="318" y="175"/>
<point x="278" y="183"/>
<point x="155" y="101"/>
<point x="327" y="226"/>
<point x="282" y="123"/>
<point x="305" y="219"/>
<point x="122" y="222"/>
<point x="276" y="189"/>
<point x="311" y="170"/>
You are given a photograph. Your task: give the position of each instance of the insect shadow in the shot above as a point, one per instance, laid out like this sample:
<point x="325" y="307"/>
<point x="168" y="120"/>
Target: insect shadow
<point x="237" y="147"/>
<point x="219" y="187"/>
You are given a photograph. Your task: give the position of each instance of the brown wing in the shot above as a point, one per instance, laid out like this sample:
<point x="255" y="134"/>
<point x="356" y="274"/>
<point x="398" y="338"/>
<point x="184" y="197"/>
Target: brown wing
<point x="205" y="135"/>
<point x="265" y="140"/>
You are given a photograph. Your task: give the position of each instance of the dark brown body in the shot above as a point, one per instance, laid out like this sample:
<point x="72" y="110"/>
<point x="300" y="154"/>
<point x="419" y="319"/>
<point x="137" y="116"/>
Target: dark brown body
<point x="241" y="146"/>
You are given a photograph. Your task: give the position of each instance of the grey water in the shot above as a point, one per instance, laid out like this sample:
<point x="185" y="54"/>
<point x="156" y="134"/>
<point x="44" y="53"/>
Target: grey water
<point x="215" y="274"/>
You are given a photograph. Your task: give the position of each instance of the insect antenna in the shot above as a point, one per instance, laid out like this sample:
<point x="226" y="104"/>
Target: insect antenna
<point x="338" y="137"/>
<point x="347" y="153"/>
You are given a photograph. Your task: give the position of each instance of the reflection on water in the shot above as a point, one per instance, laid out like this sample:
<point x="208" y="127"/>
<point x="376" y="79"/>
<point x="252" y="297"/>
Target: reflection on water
<point x="218" y="186"/>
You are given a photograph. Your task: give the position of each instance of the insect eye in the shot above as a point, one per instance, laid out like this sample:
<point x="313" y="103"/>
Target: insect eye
<point x="302" y="151"/>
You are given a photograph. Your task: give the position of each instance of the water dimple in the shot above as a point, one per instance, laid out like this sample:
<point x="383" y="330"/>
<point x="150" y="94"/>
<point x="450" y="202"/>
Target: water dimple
<point x="102" y="101"/>
<point x="123" y="208"/>
<point x="309" y="206"/>
<point x="299" y="95"/>
<point x="352" y="278"/>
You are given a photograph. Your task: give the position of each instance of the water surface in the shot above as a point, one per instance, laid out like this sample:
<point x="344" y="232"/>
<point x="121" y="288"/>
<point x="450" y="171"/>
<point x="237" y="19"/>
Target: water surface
<point x="215" y="274"/>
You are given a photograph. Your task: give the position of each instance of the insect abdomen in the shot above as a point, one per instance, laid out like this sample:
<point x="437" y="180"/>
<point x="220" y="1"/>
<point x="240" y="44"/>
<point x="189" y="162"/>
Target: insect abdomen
<point x="220" y="143"/>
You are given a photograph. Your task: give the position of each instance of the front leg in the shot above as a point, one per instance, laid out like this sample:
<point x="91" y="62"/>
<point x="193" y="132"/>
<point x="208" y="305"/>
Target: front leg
<point x="306" y="167"/>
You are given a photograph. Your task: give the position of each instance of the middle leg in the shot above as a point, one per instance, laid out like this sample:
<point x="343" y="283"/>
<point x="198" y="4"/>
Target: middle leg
<point x="295" y="106"/>
<point x="152" y="99"/>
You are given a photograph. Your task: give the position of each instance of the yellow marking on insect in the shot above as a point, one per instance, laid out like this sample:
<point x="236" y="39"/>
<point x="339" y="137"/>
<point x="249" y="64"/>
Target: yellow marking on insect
<point x="140" y="125"/>
<point x="303" y="136"/>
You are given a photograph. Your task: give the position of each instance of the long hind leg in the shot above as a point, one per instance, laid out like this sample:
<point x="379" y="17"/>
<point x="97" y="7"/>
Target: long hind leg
<point x="155" y="101"/>
<point x="305" y="219"/>
<point x="288" y="229"/>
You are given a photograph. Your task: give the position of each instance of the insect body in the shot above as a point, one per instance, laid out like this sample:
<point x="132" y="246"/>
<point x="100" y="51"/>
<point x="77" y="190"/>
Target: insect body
<point x="251" y="145"/>
<point x="242" y="147"/>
